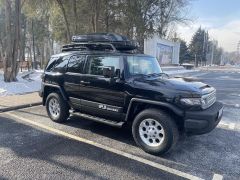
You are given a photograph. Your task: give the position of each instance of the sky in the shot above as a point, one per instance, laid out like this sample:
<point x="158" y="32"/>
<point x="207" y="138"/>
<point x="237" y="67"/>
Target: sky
<point x="221" y="18"/>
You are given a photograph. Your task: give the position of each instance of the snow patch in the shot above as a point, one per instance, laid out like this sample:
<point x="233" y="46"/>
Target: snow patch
<point x="24" y="85"/>
<point x="180" y="72"/>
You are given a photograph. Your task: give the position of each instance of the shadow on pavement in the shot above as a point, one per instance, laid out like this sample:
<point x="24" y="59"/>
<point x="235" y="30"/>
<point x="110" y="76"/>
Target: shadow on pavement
<point x="123" y="134"/>
<point x="36" y="149"/>
<point x="216" y="152"/>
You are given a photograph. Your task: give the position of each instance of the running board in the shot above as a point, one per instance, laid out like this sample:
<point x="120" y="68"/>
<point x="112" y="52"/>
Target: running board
<point x="97" y="119"/>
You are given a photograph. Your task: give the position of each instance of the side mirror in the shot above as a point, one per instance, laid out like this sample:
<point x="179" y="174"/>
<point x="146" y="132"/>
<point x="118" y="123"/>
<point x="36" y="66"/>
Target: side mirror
<point x="108" y="72"/>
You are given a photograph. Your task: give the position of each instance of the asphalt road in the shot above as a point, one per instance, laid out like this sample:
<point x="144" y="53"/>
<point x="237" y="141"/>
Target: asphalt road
<point x="33" y="147"/>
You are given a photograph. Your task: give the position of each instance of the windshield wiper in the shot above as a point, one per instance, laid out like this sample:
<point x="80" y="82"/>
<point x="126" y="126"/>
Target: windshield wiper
<point x="142" y="75"/>
<point x="158" y="74"/>
<point x="151" y="75"/>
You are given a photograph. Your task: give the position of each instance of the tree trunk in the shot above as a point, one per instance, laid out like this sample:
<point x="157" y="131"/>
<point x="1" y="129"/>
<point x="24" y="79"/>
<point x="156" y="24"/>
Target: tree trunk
<point x="60" y="3"/>
<point x="12" y="41"/>
<point x="107" y="14"/>
<point x="16" y="46"/>
<point x="7" y="63"/>
<point x="75" y="17"/>
<point x="42" y="53"/>
<point x="34" y="63"/>
<point x="23" y="40"/>
<point x="96" y="12"/>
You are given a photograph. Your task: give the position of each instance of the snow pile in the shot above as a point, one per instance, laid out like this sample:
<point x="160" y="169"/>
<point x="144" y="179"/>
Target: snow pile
<point x="27" y="82"/>
<point x="175" y="70"/>
<point x="180" y="71"/>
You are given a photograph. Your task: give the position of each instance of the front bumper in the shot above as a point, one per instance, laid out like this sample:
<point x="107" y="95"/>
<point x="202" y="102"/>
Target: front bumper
<point x="201" y="122"/>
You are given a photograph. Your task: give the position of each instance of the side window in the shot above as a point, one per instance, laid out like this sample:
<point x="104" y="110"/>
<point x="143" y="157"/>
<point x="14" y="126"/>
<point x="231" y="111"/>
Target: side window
<point x="51" y="64"/>
<point x="97" y="63"/>
<point x="76" y="64"/>
<point x="57" y="64"/>
<point x="61" y="64"/>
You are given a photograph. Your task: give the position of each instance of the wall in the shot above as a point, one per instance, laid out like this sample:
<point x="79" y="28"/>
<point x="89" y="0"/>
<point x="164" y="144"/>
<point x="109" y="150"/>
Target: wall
<point x="167" y="52"/>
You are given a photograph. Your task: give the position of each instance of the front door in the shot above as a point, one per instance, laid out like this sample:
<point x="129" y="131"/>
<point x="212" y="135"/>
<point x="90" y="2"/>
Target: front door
<point x="73" y="77"/>
<point x="100" y="95"/>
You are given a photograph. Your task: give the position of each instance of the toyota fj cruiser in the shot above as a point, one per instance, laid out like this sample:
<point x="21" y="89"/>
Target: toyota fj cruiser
<point x="99" y="77"/>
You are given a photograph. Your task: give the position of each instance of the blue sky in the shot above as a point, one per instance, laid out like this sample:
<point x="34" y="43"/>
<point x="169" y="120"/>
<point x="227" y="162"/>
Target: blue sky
<point x="220" y="17"/>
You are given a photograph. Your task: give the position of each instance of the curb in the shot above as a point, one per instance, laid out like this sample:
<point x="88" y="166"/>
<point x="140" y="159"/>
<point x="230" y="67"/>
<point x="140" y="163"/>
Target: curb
<point x="20" y="107"/>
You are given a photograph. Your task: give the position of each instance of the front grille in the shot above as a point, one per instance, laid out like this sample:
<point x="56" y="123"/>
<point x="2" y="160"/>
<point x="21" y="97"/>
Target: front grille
<point x="209" y="99"/>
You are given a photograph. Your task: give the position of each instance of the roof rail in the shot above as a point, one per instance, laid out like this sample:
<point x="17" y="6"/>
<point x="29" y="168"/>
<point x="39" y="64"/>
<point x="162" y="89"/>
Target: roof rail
<point x="89" y="46"/>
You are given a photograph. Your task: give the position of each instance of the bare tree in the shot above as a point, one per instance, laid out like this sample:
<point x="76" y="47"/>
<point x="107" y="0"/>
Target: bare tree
<point x="61" y="5"/>
<point x="12" y="40"/>
<point x="75" y="16"/>
<point x="7" y="63"/>
<point x="95" y="9"/>
<point x="170" y="12"/>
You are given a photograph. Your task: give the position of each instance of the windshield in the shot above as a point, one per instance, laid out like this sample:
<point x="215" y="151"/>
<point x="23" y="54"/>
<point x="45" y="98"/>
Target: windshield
<point x="143" y="65"/>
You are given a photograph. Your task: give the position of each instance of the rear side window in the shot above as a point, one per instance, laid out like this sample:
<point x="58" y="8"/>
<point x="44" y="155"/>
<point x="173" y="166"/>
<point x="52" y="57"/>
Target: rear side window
<point x="57" y="64"/>
<point x="97" y="63"/>
<point x="76" y="64"/>
<point x="51" y="64"/>
<point x="61" y="64"/>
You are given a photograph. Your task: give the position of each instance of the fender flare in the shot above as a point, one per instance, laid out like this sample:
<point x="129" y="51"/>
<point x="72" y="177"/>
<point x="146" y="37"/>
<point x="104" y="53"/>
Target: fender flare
<point x="175" y="109"/>
<point x="63" y="93"/>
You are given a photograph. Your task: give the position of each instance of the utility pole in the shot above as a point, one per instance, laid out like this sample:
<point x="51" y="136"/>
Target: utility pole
<point x="238" y="48"/>
<point x="33" y="44"/>
<point x="207" y="50"/>
<point x="212" y="53"/>
<point x="238" y="51"/>
<point x="195" y="60"/>
<point x="203" y="48"/>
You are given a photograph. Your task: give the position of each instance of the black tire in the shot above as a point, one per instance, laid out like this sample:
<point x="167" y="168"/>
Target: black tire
<point x="171" y="133"/>
<point x="64" y="108"/>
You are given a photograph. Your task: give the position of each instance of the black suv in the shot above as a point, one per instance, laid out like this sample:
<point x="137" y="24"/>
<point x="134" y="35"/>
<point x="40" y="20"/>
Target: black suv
<point x="105" y="81"/>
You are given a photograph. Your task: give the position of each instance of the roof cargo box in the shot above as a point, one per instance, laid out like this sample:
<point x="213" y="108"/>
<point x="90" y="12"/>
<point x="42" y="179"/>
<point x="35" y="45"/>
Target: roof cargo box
<point x="121" y="43"/>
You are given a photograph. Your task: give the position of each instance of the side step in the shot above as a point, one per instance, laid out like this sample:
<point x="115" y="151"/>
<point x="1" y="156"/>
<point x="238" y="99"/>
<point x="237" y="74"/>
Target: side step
<point x="97" y="119"/>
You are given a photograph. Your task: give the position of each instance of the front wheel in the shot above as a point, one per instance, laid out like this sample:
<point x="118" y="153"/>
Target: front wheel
<point x="155" y="131"/>
<point x="57" y="109"/>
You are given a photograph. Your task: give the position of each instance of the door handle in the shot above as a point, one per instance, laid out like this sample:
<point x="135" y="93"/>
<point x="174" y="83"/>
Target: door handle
<point x="84" y="82"/>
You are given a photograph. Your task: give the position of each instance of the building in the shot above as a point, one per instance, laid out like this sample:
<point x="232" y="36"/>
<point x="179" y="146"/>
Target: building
<point x="167" y="52"/>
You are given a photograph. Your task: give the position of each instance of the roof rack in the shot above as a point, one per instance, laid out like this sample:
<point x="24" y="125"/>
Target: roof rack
<point x="89" y="46"/>
<point x="100" y="42"/>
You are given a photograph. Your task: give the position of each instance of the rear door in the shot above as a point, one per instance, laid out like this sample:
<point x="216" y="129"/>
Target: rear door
<point x="73" y="78"/>
<point x="103" y="96"/>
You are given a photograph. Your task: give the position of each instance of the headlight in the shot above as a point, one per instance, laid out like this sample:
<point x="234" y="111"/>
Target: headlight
<point x="204" y="102"/>
<point x="192" y="101"/>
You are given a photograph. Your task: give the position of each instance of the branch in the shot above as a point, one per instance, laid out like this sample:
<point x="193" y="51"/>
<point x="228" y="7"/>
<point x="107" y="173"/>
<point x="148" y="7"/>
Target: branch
<point x="22" y="4"/>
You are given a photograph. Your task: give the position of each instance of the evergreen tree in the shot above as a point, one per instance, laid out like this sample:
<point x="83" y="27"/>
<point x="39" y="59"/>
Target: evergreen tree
<point x="184" y="55"/>
<point x="198" y="46"/>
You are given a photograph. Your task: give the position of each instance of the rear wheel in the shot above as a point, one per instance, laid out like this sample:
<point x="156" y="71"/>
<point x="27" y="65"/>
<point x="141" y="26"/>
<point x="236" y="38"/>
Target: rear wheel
<point x="57" y="108"/>
<point x="155" y="131"/>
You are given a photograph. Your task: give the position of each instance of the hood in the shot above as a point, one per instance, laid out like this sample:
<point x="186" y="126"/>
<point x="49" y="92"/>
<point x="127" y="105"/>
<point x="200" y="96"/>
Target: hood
<point x="188" y="85"/>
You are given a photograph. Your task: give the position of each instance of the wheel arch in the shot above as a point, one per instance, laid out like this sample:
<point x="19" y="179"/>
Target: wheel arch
<point x="49" y="88"/>
<point x="136" y="105"/>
